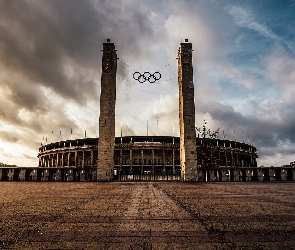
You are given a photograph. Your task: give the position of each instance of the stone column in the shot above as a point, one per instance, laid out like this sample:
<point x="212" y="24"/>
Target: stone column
<point x="69" y="158"/>
<point x="186" y="113"/>
<point x="62" y="160"/>
<point x="131" y="159"/>
<point x="232" y="159"/>
<point x="83" y="159"/>
<point x="153" y="161"/>
<point x="106" y="142"/>
<point x="121" y="159"/>
<point x="75" y="160"/>
<point x="91" y="158"/>
<point x="164" y="160"/>
<point x="57" y="160"/>
<point x="52" y="160"/>
<point x="173" y="159"/>
<point x="141" y="162"/>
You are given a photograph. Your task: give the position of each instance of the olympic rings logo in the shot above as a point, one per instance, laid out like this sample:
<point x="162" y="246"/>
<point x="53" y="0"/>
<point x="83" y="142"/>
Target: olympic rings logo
<point x="146" y="76"/>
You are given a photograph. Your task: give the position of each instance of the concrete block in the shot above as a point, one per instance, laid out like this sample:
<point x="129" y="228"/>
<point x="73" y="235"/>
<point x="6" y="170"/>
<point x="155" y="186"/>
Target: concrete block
<point x="94" y="175"/>
<point x="225" y="175"/>
<point x="58" y="175"/>
<point x="69" y="175"/>
<point x="283" y="175"/>
<point x="45" y="175"/>
<point x="22" y="175"/>
<point x="33" y="175"/>
<point x="272" y="175"/>
<point x="212" y="175"/>
<point x="10" y="174"/>
<point x="236" y="173"/>
<point x="82" y="175"/>
<point x="249" y="175"/>
<point x="200" y="175"/>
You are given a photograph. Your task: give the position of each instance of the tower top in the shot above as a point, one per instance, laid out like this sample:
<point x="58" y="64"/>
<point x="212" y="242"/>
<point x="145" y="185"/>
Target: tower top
<point x="108" y="43"/>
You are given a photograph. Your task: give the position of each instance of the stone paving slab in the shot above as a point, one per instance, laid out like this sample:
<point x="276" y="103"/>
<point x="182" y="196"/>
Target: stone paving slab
<point x="147" y="215"/>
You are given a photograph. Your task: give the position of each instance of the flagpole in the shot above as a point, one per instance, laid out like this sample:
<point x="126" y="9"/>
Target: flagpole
<point x="157" y="127"/>
<point x="173" y="131"/>
<point x="173" y="128"/>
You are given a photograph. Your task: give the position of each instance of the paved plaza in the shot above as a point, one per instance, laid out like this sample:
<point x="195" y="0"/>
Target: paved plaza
<point x="147" y="215"/>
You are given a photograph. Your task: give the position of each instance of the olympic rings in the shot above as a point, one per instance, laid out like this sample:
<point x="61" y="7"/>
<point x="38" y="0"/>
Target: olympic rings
<point x="146" y="76"/>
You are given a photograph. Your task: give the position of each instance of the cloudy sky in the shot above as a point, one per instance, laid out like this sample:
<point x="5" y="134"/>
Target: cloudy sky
<point x="50" y="61"/>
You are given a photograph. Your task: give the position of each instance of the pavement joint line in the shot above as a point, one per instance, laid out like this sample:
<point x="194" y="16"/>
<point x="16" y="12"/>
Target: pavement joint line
<point x="220" y="234"/>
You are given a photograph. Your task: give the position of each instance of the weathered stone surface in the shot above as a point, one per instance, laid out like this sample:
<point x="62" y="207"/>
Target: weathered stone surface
<point x="164" y="215"/>
<point x="187" y="113"/>
<point x="106" y="143"/>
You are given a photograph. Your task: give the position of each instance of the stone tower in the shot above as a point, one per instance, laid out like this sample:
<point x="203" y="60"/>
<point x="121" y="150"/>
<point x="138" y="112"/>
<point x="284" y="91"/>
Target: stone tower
<point x="187" y="113"/>
<point x="106" y="142"/>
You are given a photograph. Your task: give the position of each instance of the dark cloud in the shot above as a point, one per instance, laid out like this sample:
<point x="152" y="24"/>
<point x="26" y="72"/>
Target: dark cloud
<point x="40" y="40"/>
<point x="8" y="137"/>
<point x="269" y="127"/>
<point x="24" y="94"/>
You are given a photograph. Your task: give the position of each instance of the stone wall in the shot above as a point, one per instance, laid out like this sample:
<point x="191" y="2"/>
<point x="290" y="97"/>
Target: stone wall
<point x="203" y="175"/>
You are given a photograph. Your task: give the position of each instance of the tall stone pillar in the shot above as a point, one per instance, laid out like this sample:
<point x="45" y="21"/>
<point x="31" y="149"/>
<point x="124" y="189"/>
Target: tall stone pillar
<point x="106" y="142"/>
<point x="187" y="113"/>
